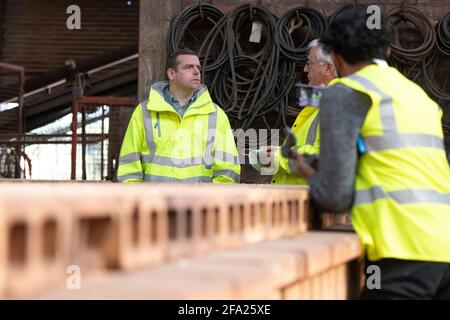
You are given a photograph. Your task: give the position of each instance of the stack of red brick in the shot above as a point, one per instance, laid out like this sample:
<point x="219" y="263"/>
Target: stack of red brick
<point x="45" y="228"/>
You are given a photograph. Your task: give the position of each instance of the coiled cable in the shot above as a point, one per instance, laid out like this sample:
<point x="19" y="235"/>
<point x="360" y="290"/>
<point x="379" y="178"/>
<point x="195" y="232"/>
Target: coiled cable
<point x="404" y="58"/>
<point x="297" y="20"/>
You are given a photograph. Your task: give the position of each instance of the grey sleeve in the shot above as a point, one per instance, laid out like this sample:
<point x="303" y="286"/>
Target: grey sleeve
<point x="342" y="112"/>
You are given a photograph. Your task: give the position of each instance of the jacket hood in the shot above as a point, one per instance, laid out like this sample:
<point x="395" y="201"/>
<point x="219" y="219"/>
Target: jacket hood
<point x="202" y="104"/>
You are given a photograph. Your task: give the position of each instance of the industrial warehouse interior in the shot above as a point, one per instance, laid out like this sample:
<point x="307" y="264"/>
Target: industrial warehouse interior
<point x="224" y="150"/>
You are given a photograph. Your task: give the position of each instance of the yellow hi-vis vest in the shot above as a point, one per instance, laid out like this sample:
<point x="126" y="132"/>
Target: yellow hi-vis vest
<point x="161" y="146"/>
<point x="401" y="208"/>
<point x="306" y="130"/>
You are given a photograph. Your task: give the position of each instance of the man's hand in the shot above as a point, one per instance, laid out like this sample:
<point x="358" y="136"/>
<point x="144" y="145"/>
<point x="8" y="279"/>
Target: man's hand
<point x="266" y="154"/>
<point x="269" y="150"/>
<point x="301" y="167"/>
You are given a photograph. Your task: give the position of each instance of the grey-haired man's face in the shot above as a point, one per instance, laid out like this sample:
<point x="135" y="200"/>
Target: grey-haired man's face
<point x="315" y="69"/>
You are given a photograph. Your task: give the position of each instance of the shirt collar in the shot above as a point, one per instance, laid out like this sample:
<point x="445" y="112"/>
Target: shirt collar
<point x="169" y="97"/>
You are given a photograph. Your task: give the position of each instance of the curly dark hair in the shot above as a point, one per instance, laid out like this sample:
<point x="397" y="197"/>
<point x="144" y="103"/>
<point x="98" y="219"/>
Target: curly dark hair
<point x="349" y="36"/>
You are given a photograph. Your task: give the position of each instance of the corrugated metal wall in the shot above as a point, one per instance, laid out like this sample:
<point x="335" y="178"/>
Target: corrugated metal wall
<point x="35" y="33"/>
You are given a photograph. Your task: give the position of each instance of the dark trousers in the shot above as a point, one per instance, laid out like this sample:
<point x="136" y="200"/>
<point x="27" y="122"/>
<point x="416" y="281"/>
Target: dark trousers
<point x="404" y="279"/>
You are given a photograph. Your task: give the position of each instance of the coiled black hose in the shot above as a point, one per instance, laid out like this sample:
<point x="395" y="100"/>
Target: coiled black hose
<point x="443" y="34"/>
<point x="254" y="79"/>
<point x="296" y="19"/>
<point x="431" y="62"/>
<point x="405" y="58"/>
<point x="180" y="29"/>
<point x="251" y="81"/>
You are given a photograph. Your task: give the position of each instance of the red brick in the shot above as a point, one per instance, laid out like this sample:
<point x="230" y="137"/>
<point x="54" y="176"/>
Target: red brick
<point x="35" y="243"/>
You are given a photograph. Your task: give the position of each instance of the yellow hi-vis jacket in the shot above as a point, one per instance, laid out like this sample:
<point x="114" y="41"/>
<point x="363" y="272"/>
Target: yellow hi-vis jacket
<point x="161" y="146"/>
<point x="306" y="130"/>
<point x="401" y="208"/>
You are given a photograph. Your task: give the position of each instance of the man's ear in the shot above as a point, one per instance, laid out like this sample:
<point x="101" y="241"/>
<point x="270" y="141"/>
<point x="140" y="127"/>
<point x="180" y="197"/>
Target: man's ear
<point x="337" y="62"/>
<point x="330" y="68"/>
<point x="170" y="74"/>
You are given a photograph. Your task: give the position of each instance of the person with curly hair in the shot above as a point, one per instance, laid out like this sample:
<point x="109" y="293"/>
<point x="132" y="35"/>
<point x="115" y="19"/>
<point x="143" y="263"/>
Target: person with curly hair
<point x="383" y="158"/>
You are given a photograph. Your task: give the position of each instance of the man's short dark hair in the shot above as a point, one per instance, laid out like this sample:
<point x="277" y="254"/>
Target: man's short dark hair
<point x="172" y="62"/>
<point x="349" y="36"/>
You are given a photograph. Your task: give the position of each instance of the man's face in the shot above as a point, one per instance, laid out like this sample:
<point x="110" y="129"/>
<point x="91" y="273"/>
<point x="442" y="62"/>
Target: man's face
<point x="187" y="75"/>
<point x="316" y="70"/>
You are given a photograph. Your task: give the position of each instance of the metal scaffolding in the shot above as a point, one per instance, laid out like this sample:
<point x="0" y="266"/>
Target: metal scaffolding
<point x="81" y="104"/>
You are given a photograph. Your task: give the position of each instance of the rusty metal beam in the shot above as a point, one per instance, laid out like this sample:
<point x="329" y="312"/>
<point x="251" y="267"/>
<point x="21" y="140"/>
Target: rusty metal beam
<point x="80" y="66"/>
<point x="12" y="66"/>
<point x="110" y="101"/>
<point x="83" y="144"/>
<point x="29" y="139"/>
<point x="73" y="171"/>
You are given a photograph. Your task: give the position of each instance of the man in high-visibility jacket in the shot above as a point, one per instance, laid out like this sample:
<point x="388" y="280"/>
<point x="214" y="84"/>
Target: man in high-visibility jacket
<point x="178" y="134"/>
<point x="382" y="156"/>
<point x="321" y="71"/>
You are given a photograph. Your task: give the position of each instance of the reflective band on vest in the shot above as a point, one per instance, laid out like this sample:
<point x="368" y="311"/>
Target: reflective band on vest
<point x="386" y="108"/>
<point x="130" y="158"/>
<point x="312" y="132"/>
<point x="391" y="139"/>
<point x="208" y="156"/>
<point x="154" y="178"/>
<point x="160" y="160"/>
<point x="225" y="156"/>
<point x="408" y="196"/>
<point x="176" y="162"/>
<point x="147" y="119"/>
<point x="229" y="173"/>
<point x="132" y="176"/>
<point x="403" y="140"/>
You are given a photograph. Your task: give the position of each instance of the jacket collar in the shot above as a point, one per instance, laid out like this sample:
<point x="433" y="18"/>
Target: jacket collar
<point x="156" y="102"/>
